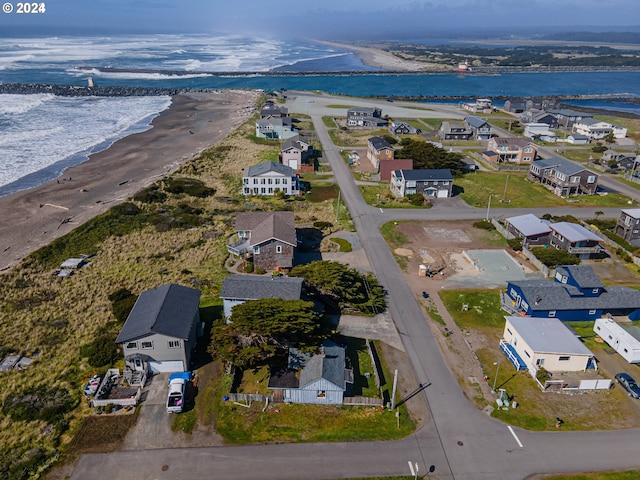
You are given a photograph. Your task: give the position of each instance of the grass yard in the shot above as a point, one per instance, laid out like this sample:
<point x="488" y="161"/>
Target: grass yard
<point x="380" y="196"/>
<point x="341" y="107"/>
<point x="521" y="193"/>
<point x="628" y="475"/>
<point x="431" y="123"/>
<point x="329" y="122"/>
<point x="308" y="423"/>
<point x="581" y="155"/>
<point x="483" y="322"/>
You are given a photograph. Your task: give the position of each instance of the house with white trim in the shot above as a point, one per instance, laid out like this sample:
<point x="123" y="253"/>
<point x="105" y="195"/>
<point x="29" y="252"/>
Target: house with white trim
<point x="269" y="178"/>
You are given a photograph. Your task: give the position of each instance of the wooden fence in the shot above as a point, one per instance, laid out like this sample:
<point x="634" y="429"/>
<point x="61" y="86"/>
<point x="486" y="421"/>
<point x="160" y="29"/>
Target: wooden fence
<point x="374" y="402"/>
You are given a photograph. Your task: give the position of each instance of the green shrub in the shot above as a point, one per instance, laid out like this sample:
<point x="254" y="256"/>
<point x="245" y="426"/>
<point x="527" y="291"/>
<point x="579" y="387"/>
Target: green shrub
<point x="323" y="225"/>
<point x="102" y="351"/>
<point x="515" y="244"/>
<point x="151" y="194"/>
<point x="345" y="245"/>
<point x="260" y="271"/>
<point x="416" y="199"/>
<point x="188" y="186"/>
<point x="484" y="225"/>
<point x="248" y="267"/>
<point x="122" y="301"/>
<point x="39" y="403"/>
<point x="552" y="257"/>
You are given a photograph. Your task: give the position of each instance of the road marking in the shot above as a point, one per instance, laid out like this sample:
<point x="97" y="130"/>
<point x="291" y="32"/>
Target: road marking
<point x="381" y="211"/>
<point x="515" y="436"/>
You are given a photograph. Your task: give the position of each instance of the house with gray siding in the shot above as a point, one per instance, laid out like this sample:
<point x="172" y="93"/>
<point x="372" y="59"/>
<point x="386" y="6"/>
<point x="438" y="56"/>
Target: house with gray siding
<point x="162" y="329"/>
<point x="269" y="239"/>
<point x="532" y="230"/>
<point x="628" y="225"/>
<point x="563" y="177"/>
<point x="575" y="239"/>
<point x="365" y="117"/>
<point x="481" y="130"/>
<point x="321" y="378"/>
<point x="454" y="131"/>
<point x="275" y="128"/>
<point x="237" y="289"/>
<point x="433" y="183"/>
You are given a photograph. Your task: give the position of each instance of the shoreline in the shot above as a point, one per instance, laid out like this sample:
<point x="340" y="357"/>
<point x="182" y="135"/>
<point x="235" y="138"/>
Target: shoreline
<point x="193" y="122"/>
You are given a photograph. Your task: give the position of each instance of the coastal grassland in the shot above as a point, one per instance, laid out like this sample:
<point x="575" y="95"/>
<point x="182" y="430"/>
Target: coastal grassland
<point x="431" y="123"/>
<point x="626" y="475"/>
<point x="483" y="323"/>
<point x="341" y="107"/>
<point x="511" y="125"/>
<point x="521" y="192"/>
<point x="582" y="155"/>
<point x="631" y="124"/>
<point x="352" y="138"/>
<point x="395" y="239"/>
<point x="176" y="231"/>
<point x="379" y="196"/>
<point x="329" y="122"/>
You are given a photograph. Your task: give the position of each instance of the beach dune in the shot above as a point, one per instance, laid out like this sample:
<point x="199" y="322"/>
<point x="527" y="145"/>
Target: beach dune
<point x="194" y="121"/>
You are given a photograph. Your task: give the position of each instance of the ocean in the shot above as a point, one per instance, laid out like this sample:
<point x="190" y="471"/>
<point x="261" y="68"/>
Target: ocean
<point x="41" y="135"/>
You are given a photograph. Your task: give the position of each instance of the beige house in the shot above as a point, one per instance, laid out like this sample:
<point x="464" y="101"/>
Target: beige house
<point x="544" y="342"/>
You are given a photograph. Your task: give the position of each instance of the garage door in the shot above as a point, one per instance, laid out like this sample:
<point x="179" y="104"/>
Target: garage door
<point x="160" y="367"/>
<point x="443" y="193"/>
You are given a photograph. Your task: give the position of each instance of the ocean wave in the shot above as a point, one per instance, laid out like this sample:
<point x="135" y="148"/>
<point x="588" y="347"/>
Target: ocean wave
<point x="11" y="104"/>
<point x="46" y="133"/>
<point x="94" y="72"/>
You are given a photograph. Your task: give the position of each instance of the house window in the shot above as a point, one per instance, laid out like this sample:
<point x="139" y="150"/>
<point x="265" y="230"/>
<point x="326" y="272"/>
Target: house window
<point x="256" y="249"/>
<point x="526" y="159"/>
<point x="540" y="362"/>
<point x="245" y="181"/>
<point x="574" y="179"/>
<point x="255" y="181"/>
<point x="270" y="181"/>
<point x="591" y="179"/>
<point x="626" y="351"/>
<point x="322" y="393"/>
<point x="146" y="345"/>
<point x="278" y="248"/>
<point x="131" y="345"/>
<point x="446" y="182"/>
<point x="277" y="181"/>
<point x="527" y="354"/>
<point x="174" y="343"/>
<point x="552" y="313"/>
<point x="263" y="190"/>
<point x="564" y="358"/>
<point x="509" y="332"/>
<point x="262" y="181"/>
<point x="270" y="189"/>
<point x="595" y="290"/>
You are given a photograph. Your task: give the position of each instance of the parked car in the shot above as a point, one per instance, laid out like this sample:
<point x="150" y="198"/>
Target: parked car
<point x="629" y="384"/>
<point x="177" y="386"/>
<point x="92" y="385"/>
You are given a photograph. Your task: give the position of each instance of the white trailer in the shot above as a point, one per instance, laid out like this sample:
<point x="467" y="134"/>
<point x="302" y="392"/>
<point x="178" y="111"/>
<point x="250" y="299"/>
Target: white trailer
<point x="624" y="340"/>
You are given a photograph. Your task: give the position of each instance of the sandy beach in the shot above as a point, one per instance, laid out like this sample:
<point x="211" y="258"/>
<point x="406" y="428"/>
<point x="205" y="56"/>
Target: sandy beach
<point x="375" y="57"/>
<point x="33" y="218"/>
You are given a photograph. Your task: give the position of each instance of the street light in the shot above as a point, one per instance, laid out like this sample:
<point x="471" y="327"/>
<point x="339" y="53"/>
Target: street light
<point x="495" y="379"/>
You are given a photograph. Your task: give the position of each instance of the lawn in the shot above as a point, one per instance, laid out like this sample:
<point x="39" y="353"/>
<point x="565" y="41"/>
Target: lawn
<point x="520" y="193"/>
<point x="380" y="196"/>
<point x="483" y="322"/>
<point x="628" y="475"/>
<point x="582" y="155"/>
<point x="310" y="423"/>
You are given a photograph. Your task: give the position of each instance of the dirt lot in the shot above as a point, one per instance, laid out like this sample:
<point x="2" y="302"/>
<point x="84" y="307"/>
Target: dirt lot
<point x="441" y="244"/>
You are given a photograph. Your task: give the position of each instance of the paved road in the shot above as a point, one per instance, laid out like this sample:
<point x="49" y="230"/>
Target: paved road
<point x="460" y="441"/>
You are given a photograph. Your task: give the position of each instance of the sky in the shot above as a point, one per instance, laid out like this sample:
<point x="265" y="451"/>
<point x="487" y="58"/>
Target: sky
<point x="326" y="19"/>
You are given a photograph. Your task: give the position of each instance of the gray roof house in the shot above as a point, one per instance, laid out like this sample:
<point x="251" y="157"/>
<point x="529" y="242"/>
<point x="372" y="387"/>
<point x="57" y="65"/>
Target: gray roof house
<point x="268" y="178"/>
<point x="268" y="237"/>
<point x="275" y="128"/>
<point x="237" y="289"/>
<point x="366" y="117"/>
<point x="162" y="328"/>
<point x="563" y="177"/>
<point x="480" y="128"/>
<point x="628" y="225"/>
<point x="434" y="183"/>
<point x="321" y="378"/>
<point x="575" y="293"/>
<point x="531" y="229"/>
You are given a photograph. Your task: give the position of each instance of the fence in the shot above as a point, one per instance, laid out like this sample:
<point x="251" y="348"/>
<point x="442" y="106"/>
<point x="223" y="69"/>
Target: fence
<point x="548" y="272"/>
<point x="249" y="397"/>
<point x="375" y="402"/>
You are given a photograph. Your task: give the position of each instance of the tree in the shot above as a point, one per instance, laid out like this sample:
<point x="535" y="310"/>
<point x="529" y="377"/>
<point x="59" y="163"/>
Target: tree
<point x="425" y="155"/>
<point x="259" y="328"/>
<point x="344" y="286"/>
<point x="609" y="138"/>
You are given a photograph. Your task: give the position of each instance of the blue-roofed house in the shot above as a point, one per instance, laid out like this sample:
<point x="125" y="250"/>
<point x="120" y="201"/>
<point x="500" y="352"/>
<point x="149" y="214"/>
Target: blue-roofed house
<point x="576" y="293"/>
<point x="532" y="230"/>
<point x="481" y="130"/>
<point x="433" y="183"/>
<point x="575" y="239"/>
<point x="544" y="342"/>
<point x="563" y="177"/>
<point x="320" y="378"/>
<point x="162" y="328"/>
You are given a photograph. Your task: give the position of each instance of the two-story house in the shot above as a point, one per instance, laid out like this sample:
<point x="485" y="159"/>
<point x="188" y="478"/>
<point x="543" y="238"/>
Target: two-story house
<point x="532" y="230"/>
<point x="270" y="109"/>
<point x="269" y="238"/>
<point x="576" y="293"/>
<point x="481" y="105"/>
<point x="481" y="130"/>
<point x="297" y="153"/>
<point x="454" y="131"/>
<point x="575" y="239"/>
<point x="398" y="127"/>
<point x="275" y="128"/>
<point x="563" y="177"/>
<point x="539" y="116"/>
<point x="434" y="183"/>
<point x="365" y="117"/>
<point x="269" y="178"/>
<point x="514" y="106"/>
<point x="597" y="129"/>
<point x="162" y="328"/>
<point x="510" y="150"/>
<point x="379" y="149"/>
<point x="628" y="225"/>
<point x="567" y="117"/>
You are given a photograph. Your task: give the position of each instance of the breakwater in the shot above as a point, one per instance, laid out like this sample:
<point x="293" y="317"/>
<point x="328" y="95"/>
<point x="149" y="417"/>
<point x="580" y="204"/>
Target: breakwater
<point x="97" y="91"/>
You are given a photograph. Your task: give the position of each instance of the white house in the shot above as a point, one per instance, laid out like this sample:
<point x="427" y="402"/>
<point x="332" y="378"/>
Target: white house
<point x="268" y="178"/>
<point x="534" y="130"/>
<point x="544" y="342"/>
<point x="597" y="129"/>
<point x="623" y="339"/>
<point x="275" y="128"/>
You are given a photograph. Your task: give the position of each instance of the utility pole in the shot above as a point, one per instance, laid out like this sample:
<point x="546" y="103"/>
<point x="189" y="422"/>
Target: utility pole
<point x="488" y="207"/>
<point x="504" y="197"/>
<point x="393" y="391"/>
<point x="338" y="207"/>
